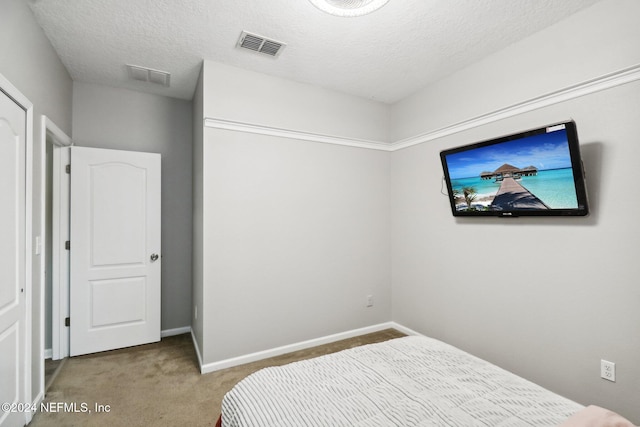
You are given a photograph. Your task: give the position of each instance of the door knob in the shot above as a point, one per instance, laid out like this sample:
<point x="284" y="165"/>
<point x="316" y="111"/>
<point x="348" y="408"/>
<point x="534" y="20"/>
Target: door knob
<point x="154" y="257"/>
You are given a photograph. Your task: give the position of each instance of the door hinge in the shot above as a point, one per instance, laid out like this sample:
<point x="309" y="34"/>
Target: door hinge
<point x="67" y="321"/>
<point x="67" y="245"/>
<point x="67" y="169"/>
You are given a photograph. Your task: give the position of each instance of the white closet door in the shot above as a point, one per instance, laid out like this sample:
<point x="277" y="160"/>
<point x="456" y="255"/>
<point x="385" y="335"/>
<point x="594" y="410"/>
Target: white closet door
<point x="12" y="260"/>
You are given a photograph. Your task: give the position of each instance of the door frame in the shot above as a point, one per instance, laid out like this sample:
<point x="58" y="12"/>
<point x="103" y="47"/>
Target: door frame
<point x="59" y="274"/>
<point x="10" y="90"/>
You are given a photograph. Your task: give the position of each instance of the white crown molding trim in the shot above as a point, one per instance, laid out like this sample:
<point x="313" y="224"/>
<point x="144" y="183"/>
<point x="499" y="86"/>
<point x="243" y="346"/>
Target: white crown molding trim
<point x="218" y="123"/>
<point x="252" y="357"/>
<point x="607" y="81"/>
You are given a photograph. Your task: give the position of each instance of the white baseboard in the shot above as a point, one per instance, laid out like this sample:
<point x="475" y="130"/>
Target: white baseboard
<point x="175" y="331"/>
<point x="48" y="353"/>
<point x="403" y="329"/>
<point x="252" y="357"/>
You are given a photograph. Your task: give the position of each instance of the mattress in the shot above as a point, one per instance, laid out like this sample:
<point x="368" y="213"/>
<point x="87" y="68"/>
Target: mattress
<point x="409" y="381"/>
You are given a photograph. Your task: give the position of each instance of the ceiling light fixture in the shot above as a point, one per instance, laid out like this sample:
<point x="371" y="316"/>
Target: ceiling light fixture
<point x="348" y="8"/>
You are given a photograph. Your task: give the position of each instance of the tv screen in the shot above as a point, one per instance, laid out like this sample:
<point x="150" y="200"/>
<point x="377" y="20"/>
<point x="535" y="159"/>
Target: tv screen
<point x="538" y="172"/>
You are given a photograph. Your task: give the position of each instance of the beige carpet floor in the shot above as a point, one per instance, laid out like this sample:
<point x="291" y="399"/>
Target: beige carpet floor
<point x="156" y="384"/>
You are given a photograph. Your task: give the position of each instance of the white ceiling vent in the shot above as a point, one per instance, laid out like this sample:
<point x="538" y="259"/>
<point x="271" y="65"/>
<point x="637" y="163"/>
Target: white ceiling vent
<point x="260" y="44"/>
<point x="150" y="75"/>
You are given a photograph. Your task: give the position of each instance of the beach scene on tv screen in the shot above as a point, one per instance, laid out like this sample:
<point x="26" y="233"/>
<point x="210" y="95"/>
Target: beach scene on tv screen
<point x="531" y="173"/>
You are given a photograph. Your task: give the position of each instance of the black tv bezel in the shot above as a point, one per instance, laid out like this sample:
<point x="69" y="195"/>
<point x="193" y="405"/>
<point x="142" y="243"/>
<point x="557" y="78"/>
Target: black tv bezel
<point x="576" y="165"/>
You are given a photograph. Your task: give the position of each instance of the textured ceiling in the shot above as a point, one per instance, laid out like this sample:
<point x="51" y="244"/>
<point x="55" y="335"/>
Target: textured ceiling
<point x="385" y="56"/>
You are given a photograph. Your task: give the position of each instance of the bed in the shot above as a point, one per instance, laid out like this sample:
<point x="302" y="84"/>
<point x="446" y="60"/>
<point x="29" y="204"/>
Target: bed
<point x="409" y="381"/>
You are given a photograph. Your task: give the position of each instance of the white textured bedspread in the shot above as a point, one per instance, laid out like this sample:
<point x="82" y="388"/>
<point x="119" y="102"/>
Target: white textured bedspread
<point x="410" y="381"/>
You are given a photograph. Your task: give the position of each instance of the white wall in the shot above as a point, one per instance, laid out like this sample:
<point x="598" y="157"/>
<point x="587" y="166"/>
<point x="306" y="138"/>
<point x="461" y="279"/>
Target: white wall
<point x="295" y="233"/>
<point x="29" y="62"/>
<point x="121" y="119"/>
<point x="567" y="295"/>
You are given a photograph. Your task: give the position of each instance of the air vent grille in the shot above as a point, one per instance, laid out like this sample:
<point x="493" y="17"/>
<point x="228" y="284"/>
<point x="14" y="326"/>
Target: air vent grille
<point x="150" y="75"/>
<point x="260" y="44"/>
<point x="252" y="42"/>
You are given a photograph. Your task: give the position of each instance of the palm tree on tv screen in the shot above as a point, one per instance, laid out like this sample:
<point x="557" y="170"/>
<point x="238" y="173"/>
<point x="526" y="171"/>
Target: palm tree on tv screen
<point x="469" y="194"/>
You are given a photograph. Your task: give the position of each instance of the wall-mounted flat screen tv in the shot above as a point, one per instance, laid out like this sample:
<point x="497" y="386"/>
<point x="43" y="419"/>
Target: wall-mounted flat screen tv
<point x="534" y="173"/>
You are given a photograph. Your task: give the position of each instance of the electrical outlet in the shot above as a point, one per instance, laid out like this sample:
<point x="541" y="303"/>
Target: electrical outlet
<point x="195" y="311"/>
<point x="608" y="370"/>
<point x="369" y="300"/>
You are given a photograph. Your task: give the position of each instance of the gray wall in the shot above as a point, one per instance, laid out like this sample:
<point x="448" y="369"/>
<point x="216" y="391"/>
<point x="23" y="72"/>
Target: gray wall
<point x="295" y="233"/>
<point x="106" y="117"/>
<point x="29" y="62"/>
<point x="568" y="295"/>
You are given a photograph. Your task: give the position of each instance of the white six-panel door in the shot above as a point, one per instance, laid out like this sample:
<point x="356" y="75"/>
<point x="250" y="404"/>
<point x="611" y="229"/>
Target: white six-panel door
<point x="12" y="260"/>
<point x="115" y="249"/>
